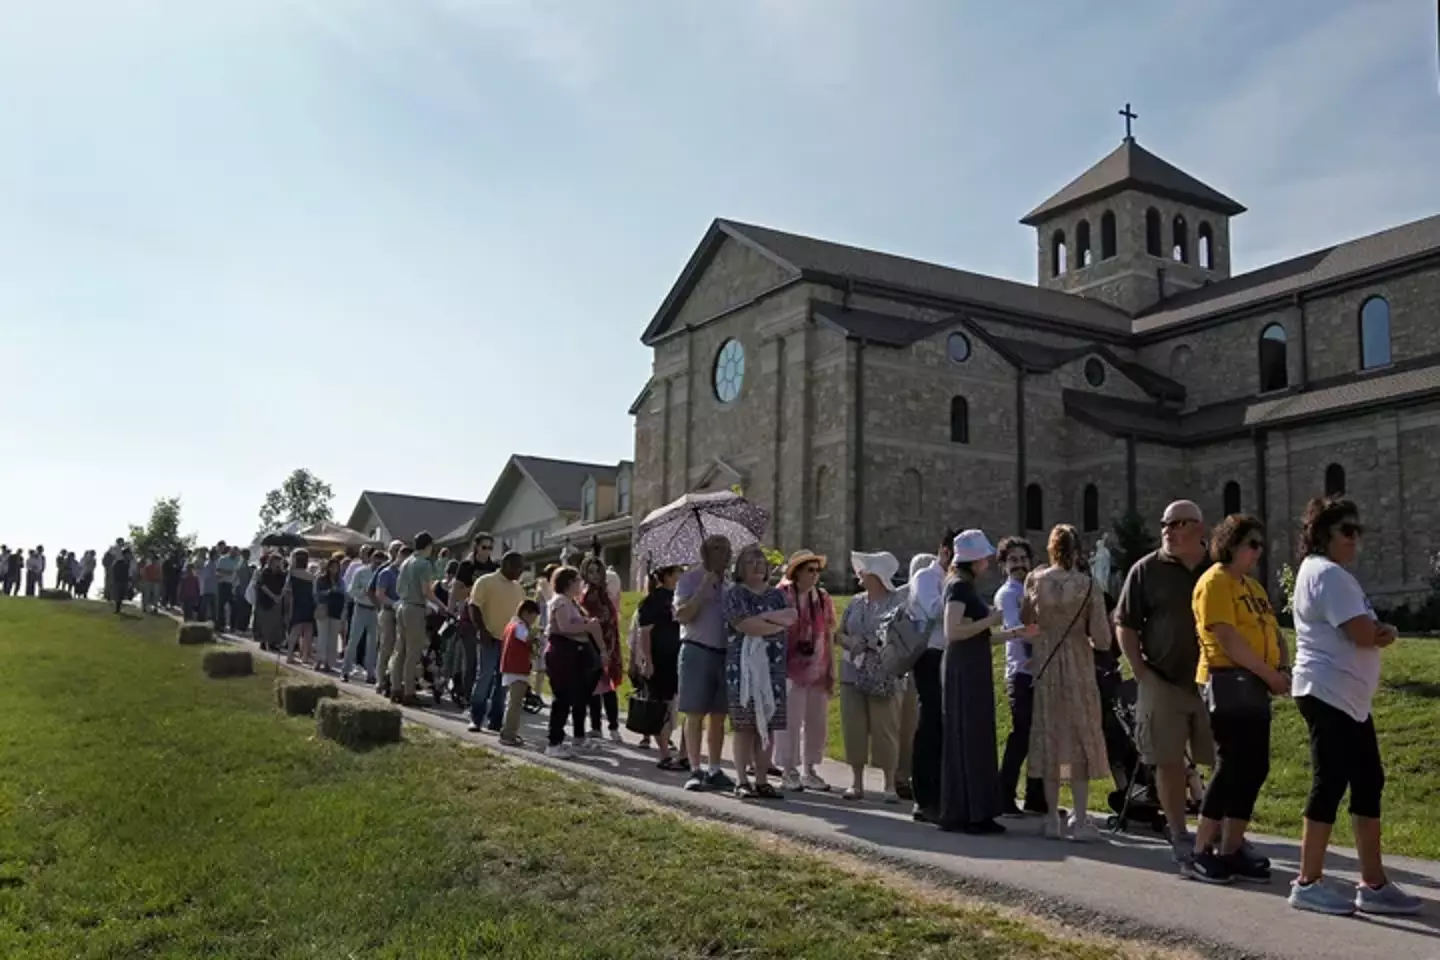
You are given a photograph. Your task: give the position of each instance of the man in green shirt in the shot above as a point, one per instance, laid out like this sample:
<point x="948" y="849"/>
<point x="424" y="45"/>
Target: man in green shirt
<point x="416" y="587"/>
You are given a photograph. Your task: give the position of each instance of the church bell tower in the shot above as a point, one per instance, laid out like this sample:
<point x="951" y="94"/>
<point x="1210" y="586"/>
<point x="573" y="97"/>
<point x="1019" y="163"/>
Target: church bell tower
<point x="1133" y="230"/>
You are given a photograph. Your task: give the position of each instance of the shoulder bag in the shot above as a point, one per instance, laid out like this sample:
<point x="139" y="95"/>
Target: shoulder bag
<point x="905" y="640"/>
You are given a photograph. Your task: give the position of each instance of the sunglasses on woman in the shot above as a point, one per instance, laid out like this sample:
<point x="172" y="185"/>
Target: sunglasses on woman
<point x="1351" y="530"/>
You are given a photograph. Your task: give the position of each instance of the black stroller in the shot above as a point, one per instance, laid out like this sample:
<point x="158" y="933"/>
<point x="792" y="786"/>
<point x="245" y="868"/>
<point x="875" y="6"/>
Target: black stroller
<point x="1134" y="799"/>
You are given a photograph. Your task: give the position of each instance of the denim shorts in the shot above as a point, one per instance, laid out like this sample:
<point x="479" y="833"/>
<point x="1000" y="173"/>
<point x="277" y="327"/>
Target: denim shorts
<point x="702" y="680"/>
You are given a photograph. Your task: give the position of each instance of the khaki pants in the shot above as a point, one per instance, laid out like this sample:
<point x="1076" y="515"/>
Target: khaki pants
<point x="909" y="720"/>
<point x="871" y="728"/>
<point x="514" y="707"/>
<point x="410" y="646"/>
<point x="388" y="629"/>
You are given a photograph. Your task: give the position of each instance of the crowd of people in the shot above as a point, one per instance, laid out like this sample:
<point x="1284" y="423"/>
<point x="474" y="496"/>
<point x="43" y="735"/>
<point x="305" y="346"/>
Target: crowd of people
<point x="731" y="642"/>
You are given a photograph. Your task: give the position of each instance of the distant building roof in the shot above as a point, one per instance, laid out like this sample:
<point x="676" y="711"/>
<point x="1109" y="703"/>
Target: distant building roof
<point x="404" y="515"/>
<point x="1130" y="166"/>
<point x="561" y="480"/>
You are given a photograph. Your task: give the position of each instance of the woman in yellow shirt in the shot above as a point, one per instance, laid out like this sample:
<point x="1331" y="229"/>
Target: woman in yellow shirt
<point x="1242" y="664"/>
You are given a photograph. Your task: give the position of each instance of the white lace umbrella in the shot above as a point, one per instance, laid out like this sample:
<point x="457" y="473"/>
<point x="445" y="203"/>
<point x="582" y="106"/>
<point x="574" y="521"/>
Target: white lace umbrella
<point x="672" y="534"/>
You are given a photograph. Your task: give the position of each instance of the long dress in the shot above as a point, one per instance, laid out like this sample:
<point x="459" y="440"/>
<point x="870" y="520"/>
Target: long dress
<point x="1067" y="740"/>
<point x="970" y="763"/>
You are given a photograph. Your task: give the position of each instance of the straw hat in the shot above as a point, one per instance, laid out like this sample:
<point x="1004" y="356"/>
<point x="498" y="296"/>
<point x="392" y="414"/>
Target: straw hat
<point x="880" y="565"/>
<point x="801" y="557"/>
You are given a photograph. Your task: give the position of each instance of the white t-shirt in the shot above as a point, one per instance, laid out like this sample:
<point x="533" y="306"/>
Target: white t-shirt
<point x="1008" y="600"/>
<point x="1328" y="665"/>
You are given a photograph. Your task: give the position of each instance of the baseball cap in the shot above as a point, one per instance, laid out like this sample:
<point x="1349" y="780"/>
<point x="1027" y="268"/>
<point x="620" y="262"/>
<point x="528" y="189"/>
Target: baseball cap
<point x="1182" y="510"/>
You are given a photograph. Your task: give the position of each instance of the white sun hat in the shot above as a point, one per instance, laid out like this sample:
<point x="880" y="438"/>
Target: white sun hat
<point x="972" y="545"/>
<point x="882" y="565"/>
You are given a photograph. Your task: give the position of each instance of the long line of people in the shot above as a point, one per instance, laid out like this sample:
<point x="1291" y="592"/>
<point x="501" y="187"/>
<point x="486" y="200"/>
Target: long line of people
<point x="726" y="643"/>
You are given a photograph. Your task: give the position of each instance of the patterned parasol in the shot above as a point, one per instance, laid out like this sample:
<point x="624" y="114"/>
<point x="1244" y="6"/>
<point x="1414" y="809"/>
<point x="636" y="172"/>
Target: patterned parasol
<point x="673" y="533"/>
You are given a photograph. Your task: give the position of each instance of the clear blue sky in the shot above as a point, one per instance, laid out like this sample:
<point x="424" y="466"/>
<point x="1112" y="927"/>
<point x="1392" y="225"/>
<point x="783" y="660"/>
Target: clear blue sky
<point x="396" y="241"/>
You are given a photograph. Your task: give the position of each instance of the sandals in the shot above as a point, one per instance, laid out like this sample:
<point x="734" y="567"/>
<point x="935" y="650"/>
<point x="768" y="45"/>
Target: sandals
<point x="852" y="794"/>
<point x="670" y="763"/>
<point x="767" y="792"/>
<point x="756" y="791"/>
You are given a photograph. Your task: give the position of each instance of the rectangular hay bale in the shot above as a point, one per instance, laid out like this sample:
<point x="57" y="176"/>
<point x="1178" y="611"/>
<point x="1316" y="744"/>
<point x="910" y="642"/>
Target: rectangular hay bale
<point x="298" y="696"/>
<point x="227" y="663"/>
<point x="194" y="634"/>
<point x="357" y="723"/>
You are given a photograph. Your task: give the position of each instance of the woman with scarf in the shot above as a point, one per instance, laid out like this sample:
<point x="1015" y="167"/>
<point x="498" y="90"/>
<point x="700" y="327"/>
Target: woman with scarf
<point x="597" y="604"/>
<point x="869" y="696"/>
<point x="757" y="617"/>
<point x="809" y="671"/>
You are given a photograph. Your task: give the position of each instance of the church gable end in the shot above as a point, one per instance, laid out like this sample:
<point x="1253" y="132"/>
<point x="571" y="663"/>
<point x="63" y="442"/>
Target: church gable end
<point x="725" y="272"/>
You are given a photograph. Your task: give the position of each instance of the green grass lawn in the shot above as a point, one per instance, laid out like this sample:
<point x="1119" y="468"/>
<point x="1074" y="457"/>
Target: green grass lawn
<point x="1407" y="715"/>
<point x="147" y="811"/>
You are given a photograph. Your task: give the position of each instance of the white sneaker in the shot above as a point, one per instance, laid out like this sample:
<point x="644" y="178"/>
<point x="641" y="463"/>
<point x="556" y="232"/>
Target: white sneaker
<point x="1083" y="831"/>
<point x="811" y="781"/>
<point x="791" y="781"/>
<point x="615" y="737"/>
<point x="1053" y="829"/>
<point x="561" y="751"/>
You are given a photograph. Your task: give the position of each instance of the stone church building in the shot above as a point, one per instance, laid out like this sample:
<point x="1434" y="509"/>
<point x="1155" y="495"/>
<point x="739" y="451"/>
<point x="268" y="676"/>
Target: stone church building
<point x="870" y="400"/>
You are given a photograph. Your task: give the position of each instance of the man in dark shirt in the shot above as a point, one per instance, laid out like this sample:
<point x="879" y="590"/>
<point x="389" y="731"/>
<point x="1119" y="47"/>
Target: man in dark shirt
<point x="482" y="555"/>
<point x="1157" y="632"/>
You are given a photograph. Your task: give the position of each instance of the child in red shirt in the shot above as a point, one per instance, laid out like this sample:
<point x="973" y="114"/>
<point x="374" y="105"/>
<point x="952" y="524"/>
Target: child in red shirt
<point x="515" y="669"/>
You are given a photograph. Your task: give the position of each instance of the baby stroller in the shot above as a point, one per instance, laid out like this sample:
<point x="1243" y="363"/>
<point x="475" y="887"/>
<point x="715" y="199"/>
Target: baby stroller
<point x="1134" y="799"/>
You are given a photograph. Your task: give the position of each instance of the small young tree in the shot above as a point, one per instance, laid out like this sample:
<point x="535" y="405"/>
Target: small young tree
<point x="160" y="536"/>
<point x="1287" y="589"/>
<point x="1132" y="541"/>
<point x="303" y="497"/>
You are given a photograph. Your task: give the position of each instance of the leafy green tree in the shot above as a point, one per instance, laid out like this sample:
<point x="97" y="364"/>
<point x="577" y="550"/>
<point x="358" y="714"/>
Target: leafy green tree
<point x="1132" y="541"/>
<point x="303" y="497"/>
<point x="160" y="536"/>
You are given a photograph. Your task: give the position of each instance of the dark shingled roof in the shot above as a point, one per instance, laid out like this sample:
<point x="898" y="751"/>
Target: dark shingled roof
<point x="561" y="480"/>
<point x="827" y="262"/>
<point x="404" y="515"/>
<point x="1130" y="166"/>
<point x="1396" y="245"/>
<point x="1340" y="396"/>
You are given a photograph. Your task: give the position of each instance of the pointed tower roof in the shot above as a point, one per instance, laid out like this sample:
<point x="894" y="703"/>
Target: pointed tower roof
<point x="1130" y="166"/>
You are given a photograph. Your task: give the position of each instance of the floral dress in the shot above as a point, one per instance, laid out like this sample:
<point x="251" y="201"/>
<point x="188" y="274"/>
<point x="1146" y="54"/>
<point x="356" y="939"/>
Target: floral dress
<point x="596" y="603"/>
<point x="741" y="603"/>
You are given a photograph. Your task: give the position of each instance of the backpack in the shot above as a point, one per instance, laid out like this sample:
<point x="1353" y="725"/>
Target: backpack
<point x="905" y="640"/>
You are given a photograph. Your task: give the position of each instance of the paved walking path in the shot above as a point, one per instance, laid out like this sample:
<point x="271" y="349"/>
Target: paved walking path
<point x="1125" y="885"/>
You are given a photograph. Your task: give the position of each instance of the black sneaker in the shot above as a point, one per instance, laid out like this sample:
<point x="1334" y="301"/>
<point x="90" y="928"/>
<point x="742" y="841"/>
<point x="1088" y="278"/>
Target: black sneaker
<point x="1209" y="868"/>
<point x="1247" y="868"/>
<point x="717" y="780"/>
<point x="696" y="783"/>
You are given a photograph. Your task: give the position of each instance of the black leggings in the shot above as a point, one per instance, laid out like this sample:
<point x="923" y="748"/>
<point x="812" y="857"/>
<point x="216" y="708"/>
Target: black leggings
<point x="1242" y="751"/>
<point x="611" y="702"/>
<point x="1343" y="753"/>
<point x="573" y="674"/>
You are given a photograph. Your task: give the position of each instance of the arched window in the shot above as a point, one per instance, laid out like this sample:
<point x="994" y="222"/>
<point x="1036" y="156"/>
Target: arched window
<point x="1152" y="232"/>
<point x="1034" y="507"/>
<point x="1180" y="360"/>
<point x="1057" y="254"/>
<point x="1083" y="256"/>
<point x="1090" y="509"/>
<point x="1180" y="238"/>
<point x="1374" y="333"/>
<point x="1231" y="498"/>
<point x="1205" y="246"/>
<point x="1274" y="366"/>
<point x="1107" y="235"/>
<point x="822" y="492"/>
<point x="1334" y="480"/>
<point x="912" y="494"/>
<point x="959" y="420"/>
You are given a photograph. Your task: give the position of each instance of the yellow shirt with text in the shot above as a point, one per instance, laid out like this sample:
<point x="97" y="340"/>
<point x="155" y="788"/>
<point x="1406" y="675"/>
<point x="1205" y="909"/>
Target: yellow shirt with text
<point x="1221" y="599"/>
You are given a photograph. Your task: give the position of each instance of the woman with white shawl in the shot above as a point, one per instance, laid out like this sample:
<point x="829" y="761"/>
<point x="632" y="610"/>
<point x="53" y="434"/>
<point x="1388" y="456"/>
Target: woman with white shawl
<point x="757" y="616"/>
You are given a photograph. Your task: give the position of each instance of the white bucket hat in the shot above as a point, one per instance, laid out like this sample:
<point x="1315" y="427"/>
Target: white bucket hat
<point x="882" y="565"/>
<point x="972" y="545"/>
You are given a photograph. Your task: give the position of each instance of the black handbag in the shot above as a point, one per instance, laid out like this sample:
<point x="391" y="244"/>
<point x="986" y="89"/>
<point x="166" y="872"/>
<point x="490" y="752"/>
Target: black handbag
<point x="1236" y="692"/>
<point x="645" y="716"/>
